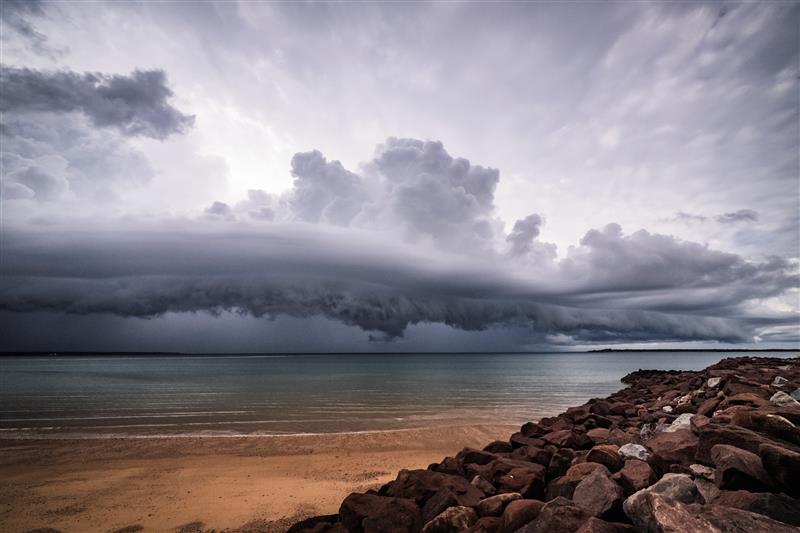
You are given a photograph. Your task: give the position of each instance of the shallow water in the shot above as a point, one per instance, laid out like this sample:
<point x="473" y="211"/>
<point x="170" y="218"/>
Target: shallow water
<point x="232" y="395"/>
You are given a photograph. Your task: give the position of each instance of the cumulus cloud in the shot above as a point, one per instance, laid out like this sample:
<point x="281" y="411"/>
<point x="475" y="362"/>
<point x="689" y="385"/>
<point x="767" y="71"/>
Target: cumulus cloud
<point x="742" y="215"/>
<point x="135" y="105"/>
<point x="16" y="15"/>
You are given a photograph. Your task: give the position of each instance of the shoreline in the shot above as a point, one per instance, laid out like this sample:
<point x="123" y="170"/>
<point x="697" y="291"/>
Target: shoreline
<point x="164" y="483"/>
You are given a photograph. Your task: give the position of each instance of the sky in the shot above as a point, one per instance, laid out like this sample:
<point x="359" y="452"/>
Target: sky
<point x="446" y="176"/>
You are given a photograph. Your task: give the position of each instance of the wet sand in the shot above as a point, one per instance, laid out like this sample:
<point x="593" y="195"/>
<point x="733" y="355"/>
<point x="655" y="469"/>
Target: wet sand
<point x="204" y="483"/>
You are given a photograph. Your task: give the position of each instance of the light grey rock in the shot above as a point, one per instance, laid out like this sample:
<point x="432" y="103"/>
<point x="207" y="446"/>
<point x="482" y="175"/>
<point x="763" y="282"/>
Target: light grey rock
<point x="713" y="383"/>
<point x="783" y="399"/>
<point x="452" y="520"/>
<point x="779" y="381"/>
<point x="668" y="492"/>
<point x="667" y="408"/>
<point x="682" y="422"/>
<point x="796" y="395"/>
<point x="637" y="451"/>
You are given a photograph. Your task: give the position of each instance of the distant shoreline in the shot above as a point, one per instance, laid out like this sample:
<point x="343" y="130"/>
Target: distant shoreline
<point x="284" y="354"/>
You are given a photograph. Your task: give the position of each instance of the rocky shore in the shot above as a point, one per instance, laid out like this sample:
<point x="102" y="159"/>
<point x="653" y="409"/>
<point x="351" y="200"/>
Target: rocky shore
<point x="711" y="451"/>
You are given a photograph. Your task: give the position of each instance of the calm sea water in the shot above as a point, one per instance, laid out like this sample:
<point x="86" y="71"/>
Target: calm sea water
<point x="234" y="395"/>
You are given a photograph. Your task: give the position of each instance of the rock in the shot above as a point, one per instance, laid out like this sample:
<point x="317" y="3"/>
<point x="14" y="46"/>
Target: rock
<point x="708" y="489"/>
<point x="532" y="429"/>
<point x="783" y="465"/>
<point x="595" y="525"/>
<point x="520" y="512"/>
<point x="697" y="422"/>
<point x="518" y="439"/>
<point x="448" y="466"/>
<point x="769" y="424"/>
<point x="495" y="505"/>
<point x="667" y="408"/>
<point x="564" y="486"/>
<point x="441" y="500"/>
<point x="712" y="383"/>
<point x="598" y="435"/>
<point x="728" y="519"/>
<point x="738" y="469"/>
<point x="783" y="399"/>
<point x="533" y="454"/>
<point x="674" y="487"/>
<point x="560" y="462"/>
<point x="483" y="485"/>
<point x="708" y="407"/>
<point x="371" y="513"/>
<point x="634" y="476"/>
<point x="452" y="520"/>
<point x="487" y="524"/>
<point x="421" y="485"/>
<point x="682" y="422"/>
<point x="473" y="456"/>
<point x="656" y="513"/>
<point x="779" y="507"/>
<point x="314" y="524"/>
<point x="636" y="451"/>
<point x="715" y="433"/>
<point x="607" y="455"/>
<point x="702" y="471"/>
<point x="526" y="478"/>
<point x="598" y="495"/>
<point x="675" y="447"/>
<point x="557" y="515"/>
<point x="744" y="398"/>
<point x="779" y="381"/>
<point x="567" y="438"/>
<point x="498" y="446"/>
<point x="796" y="394"/>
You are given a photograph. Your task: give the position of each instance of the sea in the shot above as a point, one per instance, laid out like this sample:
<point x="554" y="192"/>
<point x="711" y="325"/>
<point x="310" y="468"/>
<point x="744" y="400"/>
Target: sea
<point x="95" y="396"/>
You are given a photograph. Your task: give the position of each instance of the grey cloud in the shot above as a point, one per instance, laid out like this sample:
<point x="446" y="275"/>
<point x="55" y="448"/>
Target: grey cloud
<point x="523" y="234"/>
<point x="16" y="15"/>
<point x="135" y="104"/>
<point x="742" y="215"/>
<point x="355" y="278"/>
<point x="324" y="191"/>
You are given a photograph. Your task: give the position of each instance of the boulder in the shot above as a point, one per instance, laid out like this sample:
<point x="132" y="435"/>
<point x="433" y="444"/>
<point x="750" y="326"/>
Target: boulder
<point x="636" y="451"/>
<point x="701" y="471"/>
<point x="723" y="519"/>
<point x="498" y="446"/>
<point x="449" y="465"/>
<point x="495" y="505"/>
<point x="560" y="462"/>
<point x="677" y="447"/>
<point x="598" y="435"/>
<point x="779" y="381"/>
<point x="708" y="407"/>
<point x="713" y="383"/>
<point x="783" y="465"/>
<point x="779" y="507"/>
<point x="796" y="394"/>
<point x="534" y="454"/>
<point x="564" y="486"/>
<point x="487" y="524"/>
<point x="598" y="495"/>
<point x="371" y="513"/>
<point x="738" y="469"/>
<point x="557" y="515"/>
<point x="674" y="487"/>
<point x="421" y="485"/>
<point x="518" y="439"/>
<point x="520" y="512"/>
<point x="783" y="399"/>
<point x="452" y="520"/>
<point x="682" y="422"/>
<point x="747" y="399"/>
<point x="441" y="500"/>
<point x="698" y="422"/>
<point x="655" y="513"/>
<point x="607" y="455"/>
<point x="715" y="433"/>
<point x="634" y="476"/>
<point x="483" y="485"/>
<point x="314" y="524"/>
<point x="473" y="456"/>
<point x="596" y="525"/>
<point x="770" y="424"/>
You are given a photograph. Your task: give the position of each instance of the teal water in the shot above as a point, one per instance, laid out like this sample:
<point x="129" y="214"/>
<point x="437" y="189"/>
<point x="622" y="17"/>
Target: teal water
<point x="233" y="395"/>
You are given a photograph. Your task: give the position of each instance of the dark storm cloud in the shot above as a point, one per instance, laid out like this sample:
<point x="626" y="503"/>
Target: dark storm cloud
<point x="742" y="215"/>
<point x="135" y="104"/>
<point x="356" y="278"/>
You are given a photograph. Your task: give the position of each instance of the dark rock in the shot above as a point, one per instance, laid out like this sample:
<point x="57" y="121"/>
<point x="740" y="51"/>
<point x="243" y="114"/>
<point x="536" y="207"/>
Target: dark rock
<point x="452" y="520"/>
<point x="634" y="476"/>
<point x="598" y="495"/>
<point x="495" y="505"/>
<point x="533" y="454"/>
<point x="370" y="513"/>
<point x="532" y="429"/>
<point x="656" y="513"/>
<point x="520" y="512"/>
<point x="783" y="465"/>
<point x="564" y="486"/>
<point x="738" y="469"/>
<point x="498" y="446"/>
<point x="420" y="485"/>
<point x="314" y="524"/>
<point x="436" y="504"/>
<point x="708" y="407"/>
<point x="557" y="515"/>
<point x="771" y="424"/>
<point x="473" y="456"/>
<point x="607" y="455"/>
<point x="448" y="466"/>
<point x="527" y="479"/>
<point x="779" y="507"/>
<point x="483" y="485"/>
<point x="487" y="524"/>
<point x="715" y="433"/>
<point x="728" y="519"/>
<point x="518" y="440"/>
<point x="560" y="462"/>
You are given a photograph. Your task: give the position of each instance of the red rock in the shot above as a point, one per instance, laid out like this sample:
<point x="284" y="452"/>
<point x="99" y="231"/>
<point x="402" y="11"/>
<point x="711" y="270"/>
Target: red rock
<point x="698" y="422"/>
<point x="495" y="505"/>
<point x="779" y="507"/>
<point x="487" y="524"/>
<point x="725" y="519"/>
<point x="452" y="520"/>
<point x="564" y="486"/>
<point x="532" y="454"/>
<point x="771" y="424"/>
<point x="783" y="465"/>
<point x="449" y="465"/>
<point x="745" y="398"/>
<point x="529" y="481"/>
<point x="738" y="469"/>
<point x="560" y="462"/>
<point x="518" y="440"/>
<point x="532" y="429"/>
<point x="314" y="524"/>
<point x="598" y="495"/>
<point x="498" y="446"/>
<point x="421" y="485"/>
<point x="598" y="435"/>
<point x="654" y="512"/>
<point x="370" y="513"/>
<point x="715" y="433"/>
<point x="473" y="456"/>
<point x="557" y="515"/>
<point x="436" y="504"/>
<point x="520" y="512"/>
<point x="635" y="476"/>
<point x="675" y="447"/>
<point x="596" y="525"/>
<point x="607" y="455"/>
<point x="708" y="407"/>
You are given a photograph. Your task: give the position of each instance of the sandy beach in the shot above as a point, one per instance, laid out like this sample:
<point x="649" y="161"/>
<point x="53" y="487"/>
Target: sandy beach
<point x="203" y="483"/>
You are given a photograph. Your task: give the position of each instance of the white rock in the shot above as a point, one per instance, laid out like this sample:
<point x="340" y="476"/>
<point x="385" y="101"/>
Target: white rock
<point x="682" y="422"/>
<point x="779" y="381"/>
<point x="637" y="451"/>
<point x="667" y="408"/>
<point x="782" y="399"/>
<point x="713" y="382"/>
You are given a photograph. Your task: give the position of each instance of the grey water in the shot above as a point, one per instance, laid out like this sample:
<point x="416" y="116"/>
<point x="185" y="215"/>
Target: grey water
<point x="255" y="395"/>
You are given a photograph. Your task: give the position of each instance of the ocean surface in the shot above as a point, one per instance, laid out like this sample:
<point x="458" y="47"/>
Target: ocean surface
<point x="251" y="395"/>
